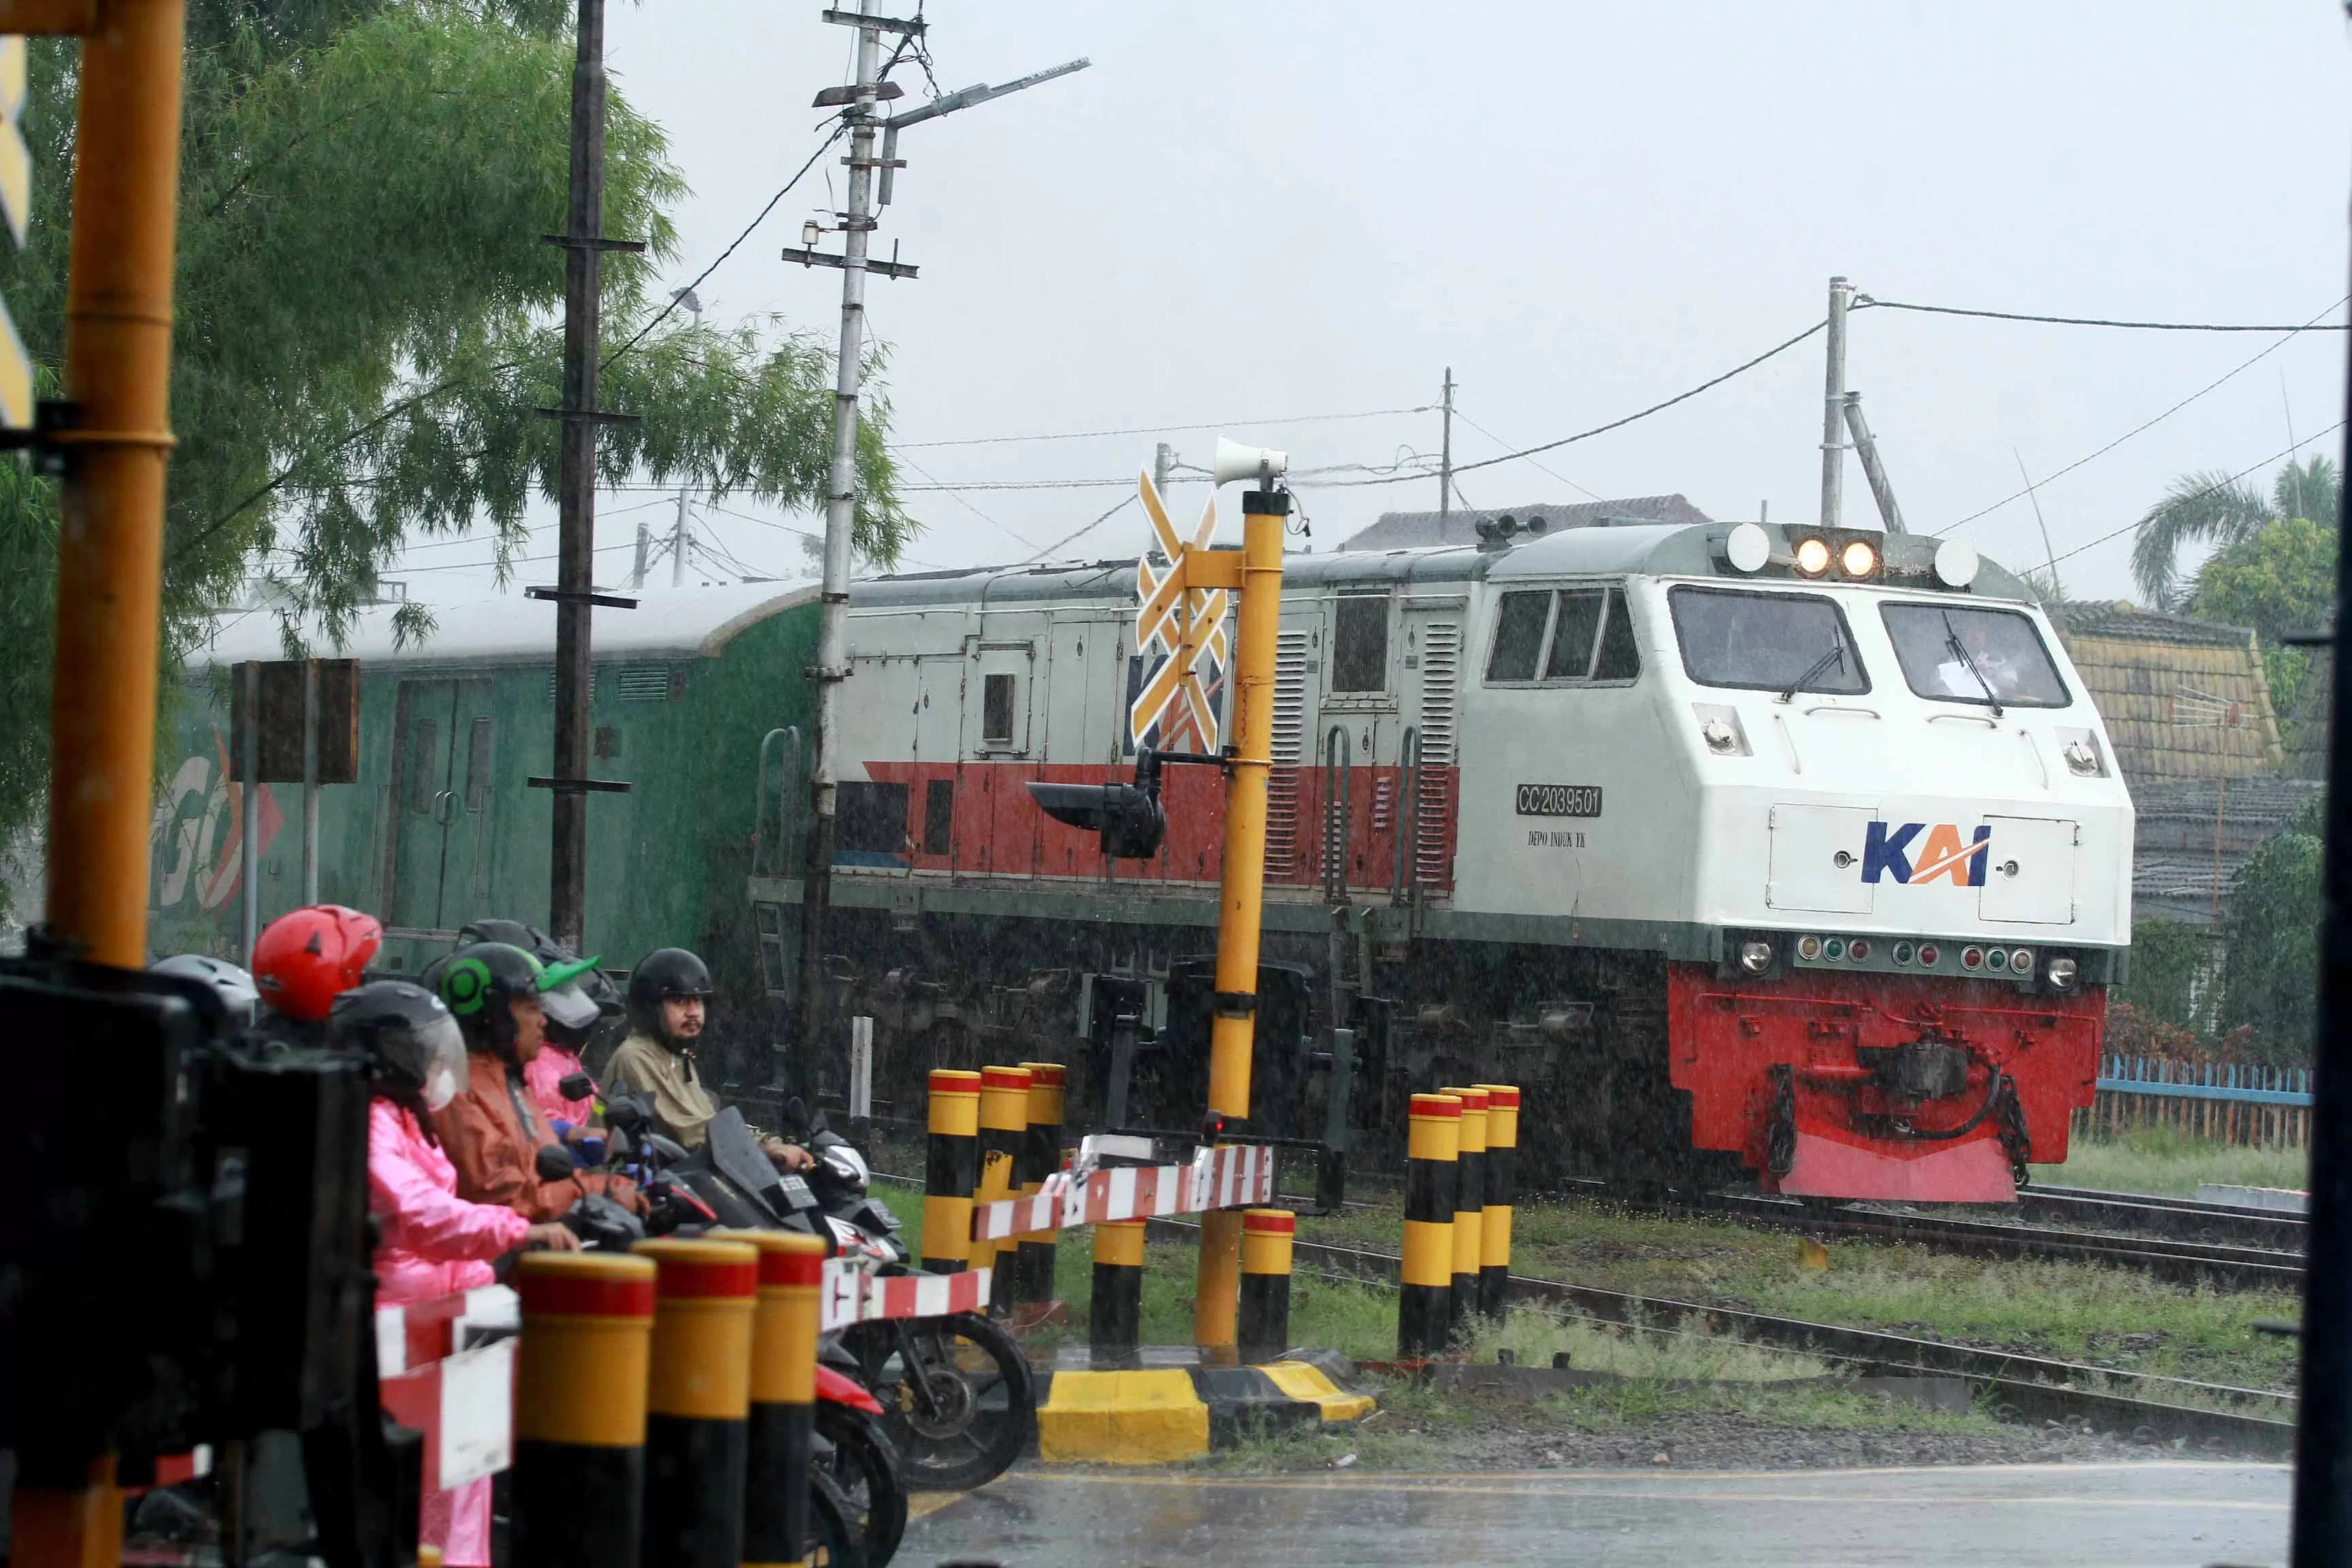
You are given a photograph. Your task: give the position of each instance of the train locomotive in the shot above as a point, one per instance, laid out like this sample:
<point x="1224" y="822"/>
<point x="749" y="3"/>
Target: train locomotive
<point x="1743" y="848"/>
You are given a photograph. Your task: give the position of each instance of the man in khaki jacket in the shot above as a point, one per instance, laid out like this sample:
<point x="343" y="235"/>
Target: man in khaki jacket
<point x="669" y="996"/>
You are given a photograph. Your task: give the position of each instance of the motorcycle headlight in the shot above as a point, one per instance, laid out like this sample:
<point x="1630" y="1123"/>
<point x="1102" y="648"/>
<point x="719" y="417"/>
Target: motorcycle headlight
<point x="849" y="1166"/>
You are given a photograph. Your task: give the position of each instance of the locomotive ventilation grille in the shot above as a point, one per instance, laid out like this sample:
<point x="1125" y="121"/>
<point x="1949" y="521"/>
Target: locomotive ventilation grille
<point x="1441" y="668"/>
<point x="1290" y="751"/>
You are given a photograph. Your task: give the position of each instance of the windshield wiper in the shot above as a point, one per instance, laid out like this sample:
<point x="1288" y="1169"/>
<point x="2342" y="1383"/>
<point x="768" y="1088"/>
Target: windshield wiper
<point x="1967" y="661"/>
<point x="1836" y="655"/>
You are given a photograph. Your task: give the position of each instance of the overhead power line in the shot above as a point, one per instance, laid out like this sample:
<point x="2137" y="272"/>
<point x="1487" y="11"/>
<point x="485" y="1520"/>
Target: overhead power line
<point x="2209" y="387"/>
<point x="1743" y="367"/>
<point x="2212" y="489"/>
<point x="1866" y="301"/>
<point x="1161" y="429"/>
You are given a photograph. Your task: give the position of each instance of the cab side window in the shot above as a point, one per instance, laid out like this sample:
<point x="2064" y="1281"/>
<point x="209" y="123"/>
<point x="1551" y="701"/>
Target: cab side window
<point x="1563" y="636"/>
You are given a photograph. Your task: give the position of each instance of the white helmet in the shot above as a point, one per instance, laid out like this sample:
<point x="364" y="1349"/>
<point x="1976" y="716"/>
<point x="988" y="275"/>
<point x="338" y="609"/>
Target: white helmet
<point x="233" y="985"/>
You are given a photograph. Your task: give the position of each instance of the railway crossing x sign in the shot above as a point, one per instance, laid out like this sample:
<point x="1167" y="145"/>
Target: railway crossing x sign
<point x="1184" y="616"/>
<point x="16" y="208"/>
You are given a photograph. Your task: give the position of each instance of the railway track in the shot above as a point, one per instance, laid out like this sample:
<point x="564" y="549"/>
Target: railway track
<point x="2031" y="1387"/>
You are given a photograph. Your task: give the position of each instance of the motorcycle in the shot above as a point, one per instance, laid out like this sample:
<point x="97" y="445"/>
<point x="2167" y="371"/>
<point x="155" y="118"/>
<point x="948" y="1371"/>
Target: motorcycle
<point x="958" y="1400"/>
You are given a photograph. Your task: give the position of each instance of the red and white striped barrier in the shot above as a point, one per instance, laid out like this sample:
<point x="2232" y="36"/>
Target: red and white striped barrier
<point x="1232" y="1175"/>
<point x="853" y="1296"/>
<point x="437" y="1370"/>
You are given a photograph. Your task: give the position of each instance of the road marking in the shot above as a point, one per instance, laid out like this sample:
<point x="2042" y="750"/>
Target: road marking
<point x="922" y="1505"/>
<point x="1394" y="1483"/>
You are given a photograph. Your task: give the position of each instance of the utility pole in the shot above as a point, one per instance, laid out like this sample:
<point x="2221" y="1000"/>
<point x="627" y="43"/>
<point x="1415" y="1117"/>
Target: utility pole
<point x="857" y="103"/>
<point x="681" y="540"/>
<point x="645" y="543"/>
<point x="1866" y="448"/>
<point x="1163" y="467"/>
<point x="1445" y="459"/>
<point x="1834" y="411"/>
<point x="574" y="592"/>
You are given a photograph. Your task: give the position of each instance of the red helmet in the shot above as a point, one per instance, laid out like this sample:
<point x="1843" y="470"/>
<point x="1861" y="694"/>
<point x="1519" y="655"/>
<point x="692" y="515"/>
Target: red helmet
<point x="307" y="958"/>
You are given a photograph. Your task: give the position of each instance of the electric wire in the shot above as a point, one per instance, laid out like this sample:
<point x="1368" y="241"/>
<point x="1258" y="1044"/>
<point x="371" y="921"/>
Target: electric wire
<point x="1541" y="468"/>
<point x="2045" y="483"/>
<point x="1123" y="502"/>
<point x="840" y="129"/>
<point x="1160" y="430"/>
<point x="1866" y="301"/>
<point x="2198" y="495"/>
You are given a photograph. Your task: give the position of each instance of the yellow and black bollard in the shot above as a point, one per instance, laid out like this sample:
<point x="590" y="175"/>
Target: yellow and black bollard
<point x="1003" y="1126"/>
<point x="580" y="1408"/>
<point x="1265" y="1329"/>
<point x="950" y="1169"/>
<point x="1469" y="1203"/>
<point x="1424" y="1301"/>
<point x="698" y="1402"/>
<point x="784" y="1397"/>
<point x="1501" y="1189"/>
<point x="1041" y="1156"/>
<point x="1115" y="1319"/>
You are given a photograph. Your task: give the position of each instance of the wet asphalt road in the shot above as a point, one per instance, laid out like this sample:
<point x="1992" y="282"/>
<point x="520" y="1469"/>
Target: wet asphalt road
<point x="2052" y="1516"/>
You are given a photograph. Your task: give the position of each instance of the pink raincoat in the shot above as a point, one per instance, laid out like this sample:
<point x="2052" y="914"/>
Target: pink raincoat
<point x="433" y="1243"/>
<point x="543" y="1073"/>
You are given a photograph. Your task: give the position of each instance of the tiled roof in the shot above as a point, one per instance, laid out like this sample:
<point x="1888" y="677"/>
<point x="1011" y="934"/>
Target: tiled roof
<point x="2314" y="707"/>
<point x="1415" y="529"/>
<point x="2182" y="698"/>
<point x="2192" y="837"/>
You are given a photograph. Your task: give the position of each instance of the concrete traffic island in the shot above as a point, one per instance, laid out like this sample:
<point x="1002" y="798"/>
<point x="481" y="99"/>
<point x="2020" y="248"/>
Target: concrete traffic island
<point x="1166" y="1406"/>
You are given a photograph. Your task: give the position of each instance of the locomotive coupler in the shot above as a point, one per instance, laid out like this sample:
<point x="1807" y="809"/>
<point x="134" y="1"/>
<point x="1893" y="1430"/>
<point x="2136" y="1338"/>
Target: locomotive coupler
<point x="1925" y="1068"/>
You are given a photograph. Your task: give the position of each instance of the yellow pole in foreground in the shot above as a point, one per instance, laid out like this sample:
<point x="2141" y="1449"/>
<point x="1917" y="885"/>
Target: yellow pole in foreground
<point x="118" y="374"/>
<point x="1243" y="890"/>
<point x="118" y="369"/>
<point x="1242" y="893"/>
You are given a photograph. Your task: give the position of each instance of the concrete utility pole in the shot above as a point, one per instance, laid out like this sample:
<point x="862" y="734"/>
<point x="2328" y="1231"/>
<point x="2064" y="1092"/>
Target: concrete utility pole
<point x="1163" y="468"/>
<point x="575" y="551"/>
<point x="1445" y="458"/>
<point x="1833" y="410"/>
<point x="681" y="540"/>
<point x="832" y="667"/>
<point x="1873" y="469"/>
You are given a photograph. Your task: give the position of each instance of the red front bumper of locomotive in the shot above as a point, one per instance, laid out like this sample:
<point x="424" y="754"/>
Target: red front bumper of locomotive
<point x="1881" y="1086"/>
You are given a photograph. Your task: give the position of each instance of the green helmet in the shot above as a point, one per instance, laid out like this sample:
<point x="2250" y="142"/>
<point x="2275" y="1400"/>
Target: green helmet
<point x="477" y="983"/>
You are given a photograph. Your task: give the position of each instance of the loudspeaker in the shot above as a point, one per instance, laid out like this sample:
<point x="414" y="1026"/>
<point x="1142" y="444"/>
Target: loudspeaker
<point x="1235" y="461"/>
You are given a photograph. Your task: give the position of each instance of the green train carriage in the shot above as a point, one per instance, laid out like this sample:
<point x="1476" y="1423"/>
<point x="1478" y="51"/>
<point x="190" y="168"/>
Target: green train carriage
<point x="443" y="828"/>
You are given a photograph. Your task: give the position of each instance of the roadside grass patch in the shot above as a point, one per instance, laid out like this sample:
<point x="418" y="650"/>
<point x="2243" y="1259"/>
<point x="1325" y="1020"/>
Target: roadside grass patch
<point x="2164" y="1160"/>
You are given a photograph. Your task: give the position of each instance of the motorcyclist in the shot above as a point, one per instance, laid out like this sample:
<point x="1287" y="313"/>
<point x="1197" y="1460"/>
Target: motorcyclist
<point x="238" y="996"/>
<point x="574" y="1121"/>
<point x="433" y="1242"/>
<point x="305" y="958"/>
<point x="502" y="998"/>
<point x="669" y="1002"/>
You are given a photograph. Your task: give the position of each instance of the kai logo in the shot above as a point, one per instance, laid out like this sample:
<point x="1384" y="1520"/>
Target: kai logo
<point x="1888" y="851"/>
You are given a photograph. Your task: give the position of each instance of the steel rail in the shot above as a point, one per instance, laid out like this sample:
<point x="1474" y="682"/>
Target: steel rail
<point x="2030" y="1386"/>
<point x="2180" y="1218"/>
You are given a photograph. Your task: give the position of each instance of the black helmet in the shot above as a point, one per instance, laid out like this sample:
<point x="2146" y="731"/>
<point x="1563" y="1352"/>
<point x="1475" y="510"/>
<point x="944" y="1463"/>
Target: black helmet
<point x="413" y="1045"/>
<point x="481" y="979"/>
<point x="663" y="973"/>
<point x="590" y="983"/>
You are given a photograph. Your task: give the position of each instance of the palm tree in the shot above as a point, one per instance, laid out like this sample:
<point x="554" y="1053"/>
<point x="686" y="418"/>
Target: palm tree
<point x="2219" y="508"/>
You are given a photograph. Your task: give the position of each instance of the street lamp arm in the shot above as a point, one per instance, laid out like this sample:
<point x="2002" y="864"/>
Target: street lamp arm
<point x="981" y="92"/>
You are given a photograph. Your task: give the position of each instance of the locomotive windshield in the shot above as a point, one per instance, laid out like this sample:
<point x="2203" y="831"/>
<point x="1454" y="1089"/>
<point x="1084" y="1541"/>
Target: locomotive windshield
<point x="1767" y="642"/>
<point x="1968" y="654"/>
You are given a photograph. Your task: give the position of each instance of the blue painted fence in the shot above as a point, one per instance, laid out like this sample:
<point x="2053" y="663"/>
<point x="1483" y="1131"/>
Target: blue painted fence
<point x="2235" y="1103"/>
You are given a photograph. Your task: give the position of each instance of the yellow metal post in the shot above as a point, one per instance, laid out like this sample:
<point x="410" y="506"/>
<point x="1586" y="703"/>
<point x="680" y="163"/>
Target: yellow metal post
<point x="118" y="372"/>
<point x="109" y="573"/>
<point x="1242" y="891"/>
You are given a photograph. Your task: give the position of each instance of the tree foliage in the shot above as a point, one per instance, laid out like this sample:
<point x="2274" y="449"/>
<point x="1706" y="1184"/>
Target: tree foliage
<point x="2270" y="982"/>
<point x="2215" y="507"/>
<point x="366" y="319"/>
<point x="2279" y="579"/>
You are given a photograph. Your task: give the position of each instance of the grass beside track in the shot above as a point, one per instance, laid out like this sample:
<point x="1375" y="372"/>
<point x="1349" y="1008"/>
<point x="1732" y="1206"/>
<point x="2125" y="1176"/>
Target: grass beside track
<point x="2111" y="1318"/>
<point x="2167" y="1162"/>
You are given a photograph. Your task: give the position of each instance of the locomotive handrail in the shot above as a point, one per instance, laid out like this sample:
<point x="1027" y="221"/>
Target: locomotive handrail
<point x="787" y="823"/>
<point x="1408" y="837"/>
<point x="1339" y="761"/>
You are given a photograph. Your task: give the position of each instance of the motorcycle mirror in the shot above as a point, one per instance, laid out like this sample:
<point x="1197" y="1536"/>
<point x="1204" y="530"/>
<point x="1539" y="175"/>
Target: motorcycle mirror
<point x="624" y="1113"/>
<point x="796" y="1112"/>
<point x="576" y="1085"/>
<point x="665" y="1149"/>
<point x="552" y="1163"/>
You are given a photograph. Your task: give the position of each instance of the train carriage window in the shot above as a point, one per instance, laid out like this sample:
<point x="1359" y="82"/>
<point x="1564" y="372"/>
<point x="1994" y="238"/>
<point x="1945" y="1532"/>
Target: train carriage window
<point x="996" y="693"/>
<point x="1575" y="628"/>
<point x="1519" y="637"/>
<point x="939" y="817"/>
<point x="1360" y="643"/>
<point x="424" y="780"/>
<point x="1766" y="642"/>
<point x="1957" y="653"/>
<point x="869" y="819"/>
<point x="1619" y="659"/>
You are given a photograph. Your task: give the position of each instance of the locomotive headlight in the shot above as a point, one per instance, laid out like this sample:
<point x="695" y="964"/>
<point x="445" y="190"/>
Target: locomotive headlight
<point x="1756" y="957"/>
<point x="1812" y="557"/>
<point x="2061" y="972"/>
<point x="1858" y="558"/>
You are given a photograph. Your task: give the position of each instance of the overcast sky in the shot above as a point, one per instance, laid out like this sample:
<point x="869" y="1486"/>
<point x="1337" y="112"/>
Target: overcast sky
<point x="1246" y="215"/>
